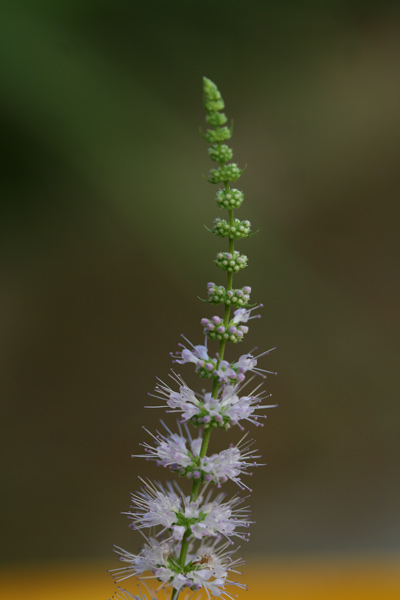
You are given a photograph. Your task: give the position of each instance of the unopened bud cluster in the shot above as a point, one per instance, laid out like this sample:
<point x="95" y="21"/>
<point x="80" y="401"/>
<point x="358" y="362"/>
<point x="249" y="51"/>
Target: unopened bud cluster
<point x="215" y="329"/>
<point x="226" y="173"/>
<point x="216" y="119"/>
<point x="220" y="153"/>
<point x="219" y="135"/>
<point x="238" y="229"/>
<point x="217" y="294"/>
<point x="231" y="261"/>
<point x="229" y="199"/>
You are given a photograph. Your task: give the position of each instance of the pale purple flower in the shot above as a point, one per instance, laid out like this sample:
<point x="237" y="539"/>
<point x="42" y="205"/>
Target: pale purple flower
<point x="231" y="463"/>
<point x="224" y="371"/>
<point x="198" y="355"/>
<point x="173" y="450"/>
<point x="183" y="456"/>
<point x="231" y="373"/>
<point x="248" y="363"/>
<point x="185" y="401"/>
<point x="154" y="506"/>
<point x="243" y="315"/>
<point x="202" y="409"/>
<point x="207" y="568"/>
<point x="153" y="553"/>
<point x="206" y="517"/>
<point x="238" y="408"/>
<point x="211" y="572"/>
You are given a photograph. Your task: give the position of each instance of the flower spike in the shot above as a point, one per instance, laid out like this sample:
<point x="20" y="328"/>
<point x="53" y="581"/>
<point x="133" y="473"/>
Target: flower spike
<point x="182" y="553"/>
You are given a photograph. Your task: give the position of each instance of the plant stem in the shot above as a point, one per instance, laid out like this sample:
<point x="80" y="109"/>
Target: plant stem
<point x="175" y="594"/>
<point x="215" y="389"/>
<point x="203" y="452"/>
<point x="207" y="432"/>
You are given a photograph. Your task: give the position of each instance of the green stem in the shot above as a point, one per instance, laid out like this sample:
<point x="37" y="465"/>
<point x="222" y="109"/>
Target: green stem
<point x="215" y="389"/>
<point x="175" y="594"/>
<point x="184" y="549"/>
<point x="203" y="451"/>
<point x="193" y="498"/>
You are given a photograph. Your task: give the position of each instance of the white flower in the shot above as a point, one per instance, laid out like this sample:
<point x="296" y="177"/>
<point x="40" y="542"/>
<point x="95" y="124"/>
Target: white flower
<point x="184" y="401"/>
<point x="230" y="464"/>
<point x="221" y="518"/>
<point x="198" y="355"/>
<point x="248" y="362"/>
<point x="154" y="553"/>
<point x="207" y="568"/>
<point x="153" y="506"/>
<point x="242" y="315"/>
<point x="210" y="569"/>
<point x="156" y="506"/>
<point x="172" y="451"/>
<point x="240" y="408"/>
<point x="183" y="456"/>
<point x="204" y="410"/>
<point x="223" y="370"/>
<point x="235" y="372"/>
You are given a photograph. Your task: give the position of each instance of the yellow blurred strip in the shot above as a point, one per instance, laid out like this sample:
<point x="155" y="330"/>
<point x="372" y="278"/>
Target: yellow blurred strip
<point x="317" y="579"/>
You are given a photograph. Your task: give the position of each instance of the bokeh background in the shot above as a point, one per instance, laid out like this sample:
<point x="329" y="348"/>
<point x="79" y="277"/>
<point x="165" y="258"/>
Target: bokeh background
<point x="104" y="253"/>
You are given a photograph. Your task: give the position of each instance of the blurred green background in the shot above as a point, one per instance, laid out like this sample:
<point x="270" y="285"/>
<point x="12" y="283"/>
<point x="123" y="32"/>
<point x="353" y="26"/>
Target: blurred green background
<point x="104" y="254"/>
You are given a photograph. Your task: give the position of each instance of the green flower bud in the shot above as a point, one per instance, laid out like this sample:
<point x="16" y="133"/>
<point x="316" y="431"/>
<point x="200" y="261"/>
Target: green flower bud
<point x="210" y="90"/>
<point x="214" y="105"/>
<point x="220" y="153"/>
<point x="229" y="200"/>
<point x="231" y="262"/>
<point x="219" y="135"/>
<point x="216" y="119"/>
<point x="229" y="172"/>
<point x="229" y="337"/>
<point x="239" y="229"/>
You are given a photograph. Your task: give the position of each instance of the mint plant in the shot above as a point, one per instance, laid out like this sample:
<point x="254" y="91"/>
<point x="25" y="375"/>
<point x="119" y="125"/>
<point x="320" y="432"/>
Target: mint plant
<point x="189" y="547"/>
